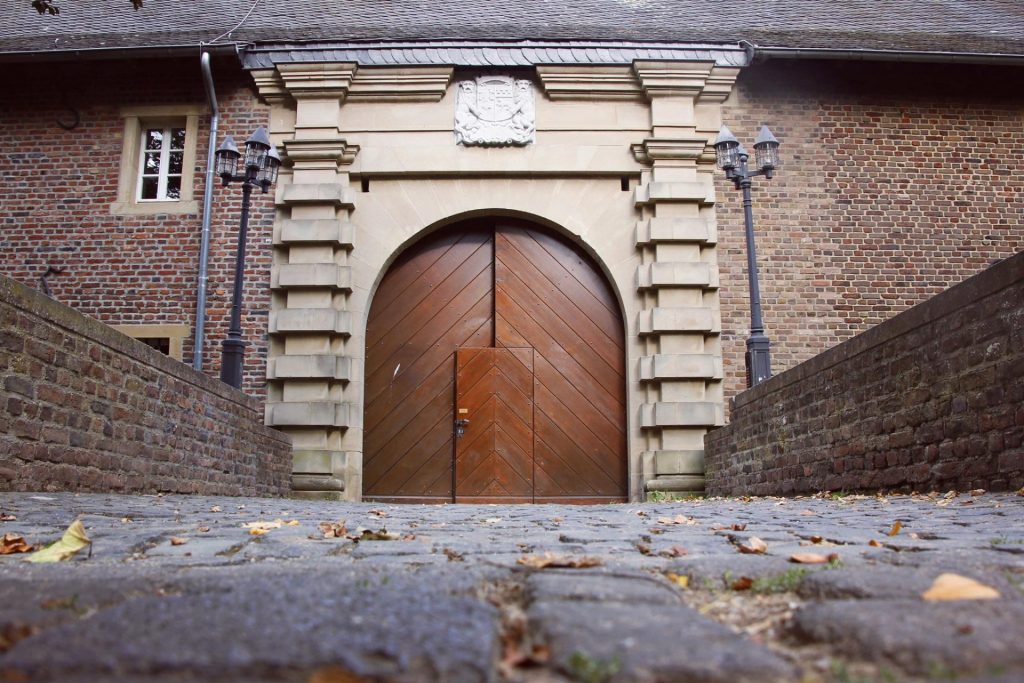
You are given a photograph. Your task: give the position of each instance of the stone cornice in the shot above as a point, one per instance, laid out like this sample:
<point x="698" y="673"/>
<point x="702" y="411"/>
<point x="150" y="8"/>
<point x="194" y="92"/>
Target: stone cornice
<point x="657" y="149"/>
<point x="400" y="83"/>
<point x="673" y="79"/>
<point x="319" y="80"/>
<point x="331" y="152"/>
<point x="586" y="82"/>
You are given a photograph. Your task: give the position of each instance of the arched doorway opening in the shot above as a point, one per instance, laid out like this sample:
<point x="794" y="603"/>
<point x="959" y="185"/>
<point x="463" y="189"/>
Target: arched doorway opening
<point x="495" y="372"/>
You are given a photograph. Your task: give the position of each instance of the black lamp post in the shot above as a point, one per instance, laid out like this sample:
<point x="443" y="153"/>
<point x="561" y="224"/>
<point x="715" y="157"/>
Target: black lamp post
<point x="260" y="166"/>
<point x="732" y="158"/>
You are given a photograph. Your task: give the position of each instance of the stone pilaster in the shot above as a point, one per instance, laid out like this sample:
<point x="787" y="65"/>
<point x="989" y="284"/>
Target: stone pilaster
<point x="680" y="324"/>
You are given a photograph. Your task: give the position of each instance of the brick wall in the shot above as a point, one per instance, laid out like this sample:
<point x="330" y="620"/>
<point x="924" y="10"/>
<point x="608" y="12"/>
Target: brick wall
<point x="57" y="186"/>
<point x="931" y="399"/>
<point x="85" y="408"/>
<point x="896" y="183"/>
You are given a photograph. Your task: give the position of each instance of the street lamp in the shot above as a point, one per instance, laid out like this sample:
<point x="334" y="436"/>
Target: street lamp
<point x="732" y="158"/>
<point x="260" y="165"/>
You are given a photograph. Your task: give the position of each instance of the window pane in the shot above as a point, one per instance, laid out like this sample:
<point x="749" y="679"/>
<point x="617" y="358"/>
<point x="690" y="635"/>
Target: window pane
<point x="178" y="138"/>
<point x="173" y="187"/>
<point x="151" y="163"/>
<point x="149" y="186"/>
<point x="175" y="162"/>
<point x="154" y="138"/>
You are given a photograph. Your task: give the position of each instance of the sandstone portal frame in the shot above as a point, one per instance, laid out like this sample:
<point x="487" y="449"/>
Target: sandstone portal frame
<point x="622" y="164"/>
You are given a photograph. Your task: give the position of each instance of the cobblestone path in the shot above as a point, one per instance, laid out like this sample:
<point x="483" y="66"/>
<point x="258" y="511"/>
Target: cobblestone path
<point x="178" y="588"/>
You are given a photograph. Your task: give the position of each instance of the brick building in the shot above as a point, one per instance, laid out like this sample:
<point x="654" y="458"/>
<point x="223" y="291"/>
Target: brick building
<point x="580" y="130"/>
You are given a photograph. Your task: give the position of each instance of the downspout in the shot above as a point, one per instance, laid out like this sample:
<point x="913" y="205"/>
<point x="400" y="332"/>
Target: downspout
<point x="204" y="245"/>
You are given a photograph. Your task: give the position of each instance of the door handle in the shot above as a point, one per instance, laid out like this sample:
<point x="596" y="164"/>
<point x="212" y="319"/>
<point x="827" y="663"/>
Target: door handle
<point x="460" y="428"/>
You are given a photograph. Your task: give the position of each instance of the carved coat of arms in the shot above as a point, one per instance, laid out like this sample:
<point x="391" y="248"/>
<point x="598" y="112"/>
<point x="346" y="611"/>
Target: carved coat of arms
<point x="495" y="110"/>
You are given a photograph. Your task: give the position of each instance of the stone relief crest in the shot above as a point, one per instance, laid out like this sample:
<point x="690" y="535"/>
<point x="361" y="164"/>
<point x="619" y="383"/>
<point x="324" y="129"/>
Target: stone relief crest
<point x="494" y="111"/>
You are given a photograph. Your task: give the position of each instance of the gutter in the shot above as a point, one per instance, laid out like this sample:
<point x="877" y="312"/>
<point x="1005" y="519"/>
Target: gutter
<point x="204" y="245"/>
<point x="93" y="53"/>
<point x="757" y="52"/>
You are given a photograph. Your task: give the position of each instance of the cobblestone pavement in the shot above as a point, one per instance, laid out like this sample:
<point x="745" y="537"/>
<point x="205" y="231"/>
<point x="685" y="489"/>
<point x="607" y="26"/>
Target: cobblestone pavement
<point x="460" y="594"/>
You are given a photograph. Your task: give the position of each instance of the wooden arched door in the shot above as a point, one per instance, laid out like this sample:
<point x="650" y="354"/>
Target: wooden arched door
<point x="515" y="331"/>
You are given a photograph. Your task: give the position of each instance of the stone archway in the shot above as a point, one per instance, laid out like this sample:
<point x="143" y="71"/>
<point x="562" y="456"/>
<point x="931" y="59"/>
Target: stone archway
<point x="515" y="330"/>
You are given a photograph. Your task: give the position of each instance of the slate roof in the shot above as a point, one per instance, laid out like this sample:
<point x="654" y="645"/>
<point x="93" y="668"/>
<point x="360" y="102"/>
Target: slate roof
<point x="961" y="26"/>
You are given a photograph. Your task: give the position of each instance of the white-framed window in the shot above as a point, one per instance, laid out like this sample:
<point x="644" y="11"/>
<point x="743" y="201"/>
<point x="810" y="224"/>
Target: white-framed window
<point x="158" y="160"/>
<point x="162" y="159"/>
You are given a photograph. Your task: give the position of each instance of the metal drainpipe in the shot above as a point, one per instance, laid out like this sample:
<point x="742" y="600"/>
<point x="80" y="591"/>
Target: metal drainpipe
<point x="204" y="245"/>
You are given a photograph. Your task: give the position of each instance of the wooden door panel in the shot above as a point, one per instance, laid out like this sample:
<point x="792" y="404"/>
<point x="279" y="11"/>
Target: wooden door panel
<point x="436" y="297"/>
<point x="549" y="295"/>
<point x="494" y="457"/>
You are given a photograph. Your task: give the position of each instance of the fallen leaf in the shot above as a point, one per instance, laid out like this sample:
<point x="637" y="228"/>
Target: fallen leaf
<point x="656" y="530"/>
<point x="807" y="513"/>
<point x="977" y="492"/>
<point x="643" y="548"/>
<point x="896" y="526"/>
<point x="293" y="522"/>
<point x="178" y="540"/>
<point x="753" y="546"/>
<point x="556" y="520"/>
<point x="260" y="528"/>
<point x="969" y="501"/>
<point x="744" y="583"/>
<point x="453" y="556"/>
<point x="257" y="532"/>
<point x="956" y="587"/>
<point x="73" y="540"/>
<point x="739" y="527"/>
<point x="333" y="529"/>
<point x="678" y="519"/>
<point x="681" y="580"/>
<point x="127" y="520"/>
<point x="378" y="513"/>
<point x="14" y="543"/>
<point x="215" y="508"/>
<point x="8" y="518"/>
<point x="874" y="544"/>
<point x="370" y="535"/>
<point x="552" y="560"/>
<point x="335" y="674"/>
<point x="11" y="633"/>
<point x="808" y="558"/>
<point x="492" y="520"/>
<point x="674" y="551"/>
<point x="816" y="539"/>
<point x="203" y="529"/>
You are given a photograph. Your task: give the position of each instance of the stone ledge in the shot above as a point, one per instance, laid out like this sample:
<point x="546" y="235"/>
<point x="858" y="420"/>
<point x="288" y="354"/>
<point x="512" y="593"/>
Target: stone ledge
<point x="316" y="482"/>
<point x="310" y="414"/>
<point x="314" y="193"/>
<point x="682" y="414"/>
<point x="686" y="483"/>
<point x="659" y="320"/>
<point x="336" y="232"/>
<point x="656" y="230"/>
<point x="299" y="275"/>
<point x="654" y="193"/>
<point x="326" y="320"/>
<point x="321" y="366"/>
<point x="676" y="274"/>
<point x="681" y="366"/>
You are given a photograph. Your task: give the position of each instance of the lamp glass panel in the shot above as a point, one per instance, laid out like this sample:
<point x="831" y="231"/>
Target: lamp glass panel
<point x="727" y="154"/>
<point x="767" y="155"/>
<point x="227" y="163"/>
<point x="255" y="155"/>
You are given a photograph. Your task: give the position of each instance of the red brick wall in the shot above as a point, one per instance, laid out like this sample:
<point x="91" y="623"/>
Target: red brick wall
<point x="897" y="181"/>
<point x="932" y="399"/>
<point x="56" y="188"/>
<point x="85" y="408"/>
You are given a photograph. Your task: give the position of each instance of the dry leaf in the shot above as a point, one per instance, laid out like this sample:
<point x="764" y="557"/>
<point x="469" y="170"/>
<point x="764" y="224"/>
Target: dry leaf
<point x="293" y="522"/>
<point x="681" y="580"/>
<point x="753" y="546"/>
<point x="956" y="587"/>
<point x="807" y="513"/>
<point x="7" y="518"/>
<point x="678" y="519"/>
<point x="14" y="543"/>
<point x="11" y="633"/>
<point x="257" y="532"/>
<point x="215" y="508"/>
<point x="203" y="529"/>
<point x="739" y="527"/>
<point x="816" y="539"/>
<point x="808" y="558"/>
<point x="674" y="551"/>
<point x="127" y="520"/>
<point x="260" y="528"/>
<point x="656" y="530"/>
<point x="333" y="529"/>
<point x="335" y="674"/>
<point x="552" y="560"/>
<point x="744" y="583"/>
<point x="977" y="492"/>
<point x="73" y="540"/>
<point x="177" y="540"/>
<point x="369" y="535"/>
<point x="896" y="526"/>
<point x="378" y="513"/>
<point x="643" y="548"/>
<point x="492" y="520"/>
<point x="874" y="544"/>
<point x="453" y="556"/>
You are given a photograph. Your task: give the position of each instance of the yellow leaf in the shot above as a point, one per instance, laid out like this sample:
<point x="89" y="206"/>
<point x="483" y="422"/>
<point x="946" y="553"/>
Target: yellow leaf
<point x="262" y="527"/>
<point x="681" y="580"/>
<point x="552" y="560"/>
<point x="293" y="522"/>
<point x="177" y="540"/>
<point x="956" y="587"/>
<point x="257" y="532"/>
<point x="896" y="526"/>
<point x="74" y="539"/>
<point x="874" y="544"/>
